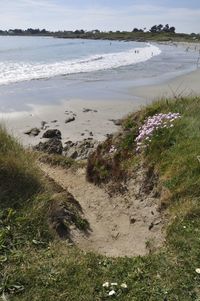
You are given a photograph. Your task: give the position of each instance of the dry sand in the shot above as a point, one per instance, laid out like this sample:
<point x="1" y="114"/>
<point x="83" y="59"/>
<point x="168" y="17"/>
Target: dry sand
<point x="98" y="119"/>
<point x="121" y="225"/>
<point x="185" y="85"/>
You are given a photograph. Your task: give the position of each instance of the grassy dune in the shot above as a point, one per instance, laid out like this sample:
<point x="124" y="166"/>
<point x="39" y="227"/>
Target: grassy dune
<point x="36" y="265"/>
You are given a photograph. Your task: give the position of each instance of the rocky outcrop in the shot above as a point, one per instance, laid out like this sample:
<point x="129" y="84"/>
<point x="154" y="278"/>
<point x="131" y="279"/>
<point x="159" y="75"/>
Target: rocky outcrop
<point x="53" y="133"/>
<point x="79" y="150"/>
<point x="52" y="146"/>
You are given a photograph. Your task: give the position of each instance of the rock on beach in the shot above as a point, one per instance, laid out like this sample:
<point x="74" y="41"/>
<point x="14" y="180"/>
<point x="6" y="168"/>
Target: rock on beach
<point x="53" y="133"/>
<point x="52" y="146"/>
<point x="69" y="119"/>
<point x="32" y="132"/>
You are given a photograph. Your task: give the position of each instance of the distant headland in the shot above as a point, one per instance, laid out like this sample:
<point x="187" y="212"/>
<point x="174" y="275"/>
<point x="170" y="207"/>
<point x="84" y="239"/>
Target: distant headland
<point x="160" y="33"/>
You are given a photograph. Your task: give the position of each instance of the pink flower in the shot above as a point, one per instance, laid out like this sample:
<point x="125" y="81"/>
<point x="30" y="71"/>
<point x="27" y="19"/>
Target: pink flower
<point x="152" y="124"/>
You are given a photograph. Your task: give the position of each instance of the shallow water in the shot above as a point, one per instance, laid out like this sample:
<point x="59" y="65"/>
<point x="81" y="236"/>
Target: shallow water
<point x="35" y="70"/>
<point x="28" y="58"/>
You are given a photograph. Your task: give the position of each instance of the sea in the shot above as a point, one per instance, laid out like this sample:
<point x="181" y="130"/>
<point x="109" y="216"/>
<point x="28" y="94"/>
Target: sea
<point x="46" y="70"/>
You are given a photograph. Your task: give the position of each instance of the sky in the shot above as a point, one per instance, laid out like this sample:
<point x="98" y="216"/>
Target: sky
<point x="100" y="14"/>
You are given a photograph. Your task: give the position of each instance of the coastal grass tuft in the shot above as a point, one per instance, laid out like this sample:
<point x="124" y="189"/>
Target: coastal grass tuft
<point x="19" y="177"/>
<point x="174" y="152"/>
<point x="36" y="265"/>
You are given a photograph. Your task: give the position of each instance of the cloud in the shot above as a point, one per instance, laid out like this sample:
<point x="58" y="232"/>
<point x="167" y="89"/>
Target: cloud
<point x="55" y="14"/>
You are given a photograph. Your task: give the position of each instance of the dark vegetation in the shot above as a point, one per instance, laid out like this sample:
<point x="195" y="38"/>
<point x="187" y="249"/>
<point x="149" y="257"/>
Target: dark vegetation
<point x="59" y="160"/>
<point x="155" y="33"/>
<point x="36" y="265"/>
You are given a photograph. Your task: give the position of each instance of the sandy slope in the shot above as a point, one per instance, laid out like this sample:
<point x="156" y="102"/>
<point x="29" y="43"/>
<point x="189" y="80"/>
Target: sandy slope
<point x="121" y="225"/>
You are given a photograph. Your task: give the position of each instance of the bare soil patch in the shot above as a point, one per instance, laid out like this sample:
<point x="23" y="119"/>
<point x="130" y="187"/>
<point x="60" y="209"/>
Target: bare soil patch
<point x="121" y="224"/>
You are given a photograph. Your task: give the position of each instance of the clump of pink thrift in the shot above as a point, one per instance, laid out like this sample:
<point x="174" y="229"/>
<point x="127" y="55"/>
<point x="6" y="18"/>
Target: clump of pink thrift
<point x="152" y="124"/>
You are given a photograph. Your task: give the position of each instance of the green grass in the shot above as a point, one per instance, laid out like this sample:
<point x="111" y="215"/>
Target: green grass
<point x="174" y="152"/>
<point x="134" y="36"/>
<point x="123" y="35"/>
<point x="19" y="178"/>
<point x="56" y="160"/>
<point x="36" y="265"/>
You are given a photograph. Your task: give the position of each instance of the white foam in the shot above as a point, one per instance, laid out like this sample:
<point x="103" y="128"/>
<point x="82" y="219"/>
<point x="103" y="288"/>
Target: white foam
<point x="16" y="72"/>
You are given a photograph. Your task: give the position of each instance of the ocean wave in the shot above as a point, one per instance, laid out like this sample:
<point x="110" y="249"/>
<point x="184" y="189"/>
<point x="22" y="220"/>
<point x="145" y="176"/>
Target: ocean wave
<point x="11" y="72"/>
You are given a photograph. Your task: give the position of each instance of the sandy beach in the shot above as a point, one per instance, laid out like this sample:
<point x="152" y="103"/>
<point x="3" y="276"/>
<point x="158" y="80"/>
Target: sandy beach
<point x="184" y="85"/>
<point x="94" y="100"/>
<point x="93" y="118"/>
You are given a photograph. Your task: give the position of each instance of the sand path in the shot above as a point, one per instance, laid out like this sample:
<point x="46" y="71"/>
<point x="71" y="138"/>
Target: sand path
<point x="121" y="225"/>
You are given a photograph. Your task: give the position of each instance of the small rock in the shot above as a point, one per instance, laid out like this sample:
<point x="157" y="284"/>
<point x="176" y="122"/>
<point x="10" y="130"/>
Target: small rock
<point x="32" y="132"/>
<point x="69" y="143"/>
<point x="91" y="134"/>
<point x="85" y="110"/>
<point x="43" y="125"/>
<point x="157" y="222"/>
<point x="52" y="134"/>
<point x="132" y="220"/>
<point x="116" y="121"/>
<point x="70" y="119"/>
<point x="151" y="226"/>
<point x="54" y="121"/>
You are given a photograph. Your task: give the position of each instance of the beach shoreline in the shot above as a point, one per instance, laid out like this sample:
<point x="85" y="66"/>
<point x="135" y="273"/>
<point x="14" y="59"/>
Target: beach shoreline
<point x="94" y="118"/>
<point x="93" y="102"/>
